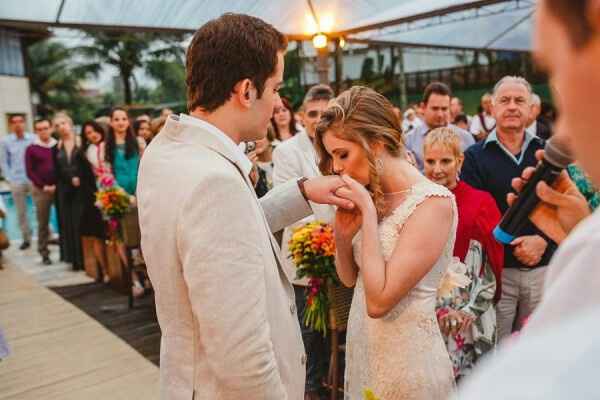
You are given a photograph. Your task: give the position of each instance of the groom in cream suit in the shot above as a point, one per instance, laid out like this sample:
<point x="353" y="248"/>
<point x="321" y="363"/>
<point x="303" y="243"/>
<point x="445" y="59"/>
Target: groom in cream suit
<point x="225" y="306"/>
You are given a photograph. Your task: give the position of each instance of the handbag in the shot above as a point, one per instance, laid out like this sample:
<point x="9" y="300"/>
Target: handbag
<point x="4" y="242"/>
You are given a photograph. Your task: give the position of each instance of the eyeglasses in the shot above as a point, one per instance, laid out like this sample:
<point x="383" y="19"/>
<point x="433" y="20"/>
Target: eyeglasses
<point x="313" y="114"/>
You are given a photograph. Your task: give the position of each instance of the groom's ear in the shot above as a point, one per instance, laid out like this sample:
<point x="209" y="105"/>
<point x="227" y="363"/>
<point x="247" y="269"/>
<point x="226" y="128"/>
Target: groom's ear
<point x="245" y="93"/>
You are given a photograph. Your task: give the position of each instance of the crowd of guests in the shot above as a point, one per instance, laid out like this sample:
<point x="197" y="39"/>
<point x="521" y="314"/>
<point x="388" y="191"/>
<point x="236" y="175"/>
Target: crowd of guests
<point x="475" y="157"/>
<point x="60" y="168"/>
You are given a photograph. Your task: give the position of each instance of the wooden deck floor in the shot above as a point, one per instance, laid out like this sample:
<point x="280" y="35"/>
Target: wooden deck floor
<point x="138" y="327"/>
<point x="60" y="352"/>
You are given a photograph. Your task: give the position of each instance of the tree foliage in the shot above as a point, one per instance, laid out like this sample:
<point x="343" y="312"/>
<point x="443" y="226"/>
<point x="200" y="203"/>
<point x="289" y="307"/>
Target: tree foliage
<point x="55" y="78"/>
<point x="130" y="51"/>
<point x="170" y="78"/>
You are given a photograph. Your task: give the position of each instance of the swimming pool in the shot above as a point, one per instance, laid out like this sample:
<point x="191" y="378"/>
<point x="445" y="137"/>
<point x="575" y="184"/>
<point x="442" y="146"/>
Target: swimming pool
<point x="11" y="223"/>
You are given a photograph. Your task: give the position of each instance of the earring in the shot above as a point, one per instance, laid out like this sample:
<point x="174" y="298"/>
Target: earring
<point x="379" y="165"/>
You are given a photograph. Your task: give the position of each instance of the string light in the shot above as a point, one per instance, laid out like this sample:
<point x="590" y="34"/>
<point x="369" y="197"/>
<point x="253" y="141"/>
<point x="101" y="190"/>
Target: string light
<point x="319" y="40"/>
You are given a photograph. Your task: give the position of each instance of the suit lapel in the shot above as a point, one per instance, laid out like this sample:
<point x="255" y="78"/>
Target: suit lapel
<point x="195" y="134"/>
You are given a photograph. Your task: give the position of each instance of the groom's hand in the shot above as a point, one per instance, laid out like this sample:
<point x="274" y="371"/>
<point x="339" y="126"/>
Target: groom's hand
<point x="322" y="190"/>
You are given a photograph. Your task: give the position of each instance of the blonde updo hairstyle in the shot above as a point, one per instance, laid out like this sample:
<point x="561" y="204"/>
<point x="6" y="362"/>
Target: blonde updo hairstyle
<point x="365" y="117"/>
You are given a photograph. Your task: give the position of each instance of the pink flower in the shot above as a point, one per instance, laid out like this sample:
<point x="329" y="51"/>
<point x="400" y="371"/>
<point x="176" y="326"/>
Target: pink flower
<point x="113" y="224"/>
<point x="460" y="341"/>
<point x="107" y="180"/>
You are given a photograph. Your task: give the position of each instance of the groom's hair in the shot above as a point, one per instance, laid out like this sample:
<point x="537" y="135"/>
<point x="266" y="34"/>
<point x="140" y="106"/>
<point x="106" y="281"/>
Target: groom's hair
<point x="573" y="16"/>
<point x="225" y="51"/>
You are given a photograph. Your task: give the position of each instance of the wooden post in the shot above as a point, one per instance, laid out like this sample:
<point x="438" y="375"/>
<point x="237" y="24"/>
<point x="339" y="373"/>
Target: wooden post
<point x="402" y="79"/>
<point x="323" y="65"/>
<point x="339" y="67"/>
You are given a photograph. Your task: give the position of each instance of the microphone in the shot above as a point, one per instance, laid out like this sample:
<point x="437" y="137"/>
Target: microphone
<point x="556" y="158"/>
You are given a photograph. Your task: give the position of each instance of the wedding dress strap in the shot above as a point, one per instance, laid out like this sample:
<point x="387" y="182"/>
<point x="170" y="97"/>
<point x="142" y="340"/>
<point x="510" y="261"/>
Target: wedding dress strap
<point x="420" y="192"/>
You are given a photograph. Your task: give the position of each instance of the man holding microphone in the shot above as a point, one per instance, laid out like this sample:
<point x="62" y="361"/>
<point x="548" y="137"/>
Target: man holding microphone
<point x="557" y="354"/>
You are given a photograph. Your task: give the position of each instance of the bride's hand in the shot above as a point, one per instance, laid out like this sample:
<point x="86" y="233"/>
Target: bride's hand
<point x="347" y="224"/>
<point x="356" y="193"/>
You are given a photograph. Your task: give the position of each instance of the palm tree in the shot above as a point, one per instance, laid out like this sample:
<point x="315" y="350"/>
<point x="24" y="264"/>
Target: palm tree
<point x="170" y="76"/>
<point x="129" y="51"/>
<point x="55" y="77"/>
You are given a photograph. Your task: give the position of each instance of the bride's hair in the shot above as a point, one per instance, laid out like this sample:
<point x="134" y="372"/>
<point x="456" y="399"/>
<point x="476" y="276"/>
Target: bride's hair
<point x="363" y="116"/>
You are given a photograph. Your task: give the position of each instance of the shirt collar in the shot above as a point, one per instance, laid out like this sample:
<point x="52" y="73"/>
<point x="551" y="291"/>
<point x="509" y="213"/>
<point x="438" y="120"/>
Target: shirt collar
<point x="51" y="143"/>
<point x="493" y="137"/>
<point x="27" y="136"/>
<point x="243" y="161"/>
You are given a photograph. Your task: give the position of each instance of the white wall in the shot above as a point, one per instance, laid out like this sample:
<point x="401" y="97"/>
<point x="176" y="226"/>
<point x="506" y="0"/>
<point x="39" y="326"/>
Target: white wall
<point x="14" y="98"/>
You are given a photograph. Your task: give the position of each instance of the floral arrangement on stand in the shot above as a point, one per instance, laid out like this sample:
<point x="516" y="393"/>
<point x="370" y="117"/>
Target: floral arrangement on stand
<point x="113" y="202"/>
<point x="312" y="249"/>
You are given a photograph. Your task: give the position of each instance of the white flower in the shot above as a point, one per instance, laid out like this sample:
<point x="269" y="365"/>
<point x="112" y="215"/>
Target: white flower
<point x="454" y="277"/>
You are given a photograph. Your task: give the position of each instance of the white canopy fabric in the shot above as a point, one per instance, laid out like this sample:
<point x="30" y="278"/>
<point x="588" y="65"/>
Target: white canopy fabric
<point x="500" y="28"/>
<point x="294" y="17"/>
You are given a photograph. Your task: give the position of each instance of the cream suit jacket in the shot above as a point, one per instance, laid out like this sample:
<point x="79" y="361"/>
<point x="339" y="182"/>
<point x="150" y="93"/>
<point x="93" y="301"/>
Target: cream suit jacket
<point x="293" y="159"/>
<point x="225" y="307"/>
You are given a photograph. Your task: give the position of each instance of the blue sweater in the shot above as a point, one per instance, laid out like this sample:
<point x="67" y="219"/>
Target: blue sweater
<point x="488" y="167"/>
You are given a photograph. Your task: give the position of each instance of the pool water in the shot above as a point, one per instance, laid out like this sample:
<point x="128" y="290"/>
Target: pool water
<point x="11" y="222"/>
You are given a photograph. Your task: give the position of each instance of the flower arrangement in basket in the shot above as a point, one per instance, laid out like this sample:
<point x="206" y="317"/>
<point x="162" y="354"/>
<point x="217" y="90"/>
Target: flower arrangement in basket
<point x="113" y="202"/>
<point x="312" y="249"/>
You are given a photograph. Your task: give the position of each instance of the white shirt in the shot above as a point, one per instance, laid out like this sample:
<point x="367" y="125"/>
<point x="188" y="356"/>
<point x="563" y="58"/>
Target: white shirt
<point x="556" y="356"/>
<point x="532" y="128"/>
<point x="476" y="127"/>
<point x="244" y="162"/>
<point x="92" y="155"/>
<point x="408" y="125"/>
<point x="51" y="142"/>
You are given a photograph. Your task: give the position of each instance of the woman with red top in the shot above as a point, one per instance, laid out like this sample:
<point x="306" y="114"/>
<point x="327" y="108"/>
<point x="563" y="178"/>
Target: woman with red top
<point x="467" y="317"/>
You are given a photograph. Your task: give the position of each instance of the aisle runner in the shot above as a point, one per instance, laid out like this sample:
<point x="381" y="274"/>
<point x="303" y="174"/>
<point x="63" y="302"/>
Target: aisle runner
<point x="58" y="352"/>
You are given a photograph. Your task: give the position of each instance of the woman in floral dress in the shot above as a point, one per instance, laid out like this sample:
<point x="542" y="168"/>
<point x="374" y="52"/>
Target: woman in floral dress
<point x="467" y="316"/>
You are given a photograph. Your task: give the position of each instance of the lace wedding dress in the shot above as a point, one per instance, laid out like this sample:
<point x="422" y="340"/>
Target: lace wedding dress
<point x="402" y="355"/>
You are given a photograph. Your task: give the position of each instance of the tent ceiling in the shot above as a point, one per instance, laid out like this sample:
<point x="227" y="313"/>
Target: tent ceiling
<point x="503" y="27"/>
<point x="348" y="17"/>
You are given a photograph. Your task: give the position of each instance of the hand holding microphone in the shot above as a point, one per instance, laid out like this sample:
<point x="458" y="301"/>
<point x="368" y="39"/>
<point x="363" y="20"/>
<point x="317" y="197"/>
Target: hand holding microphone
<point x="562" y="206"/>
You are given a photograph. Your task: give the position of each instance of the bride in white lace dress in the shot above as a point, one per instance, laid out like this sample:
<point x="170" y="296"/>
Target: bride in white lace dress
<point x="394" y="248"/>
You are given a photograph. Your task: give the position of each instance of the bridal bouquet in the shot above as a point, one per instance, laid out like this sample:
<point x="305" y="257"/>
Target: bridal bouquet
<point x="312" y="248"/>
<point x="113" y="202"/>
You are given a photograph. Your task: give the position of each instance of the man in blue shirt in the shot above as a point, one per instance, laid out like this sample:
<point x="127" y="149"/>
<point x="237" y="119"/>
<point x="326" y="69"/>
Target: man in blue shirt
<point x="12" y="157"/>
<point x="490" y="165"/>
<point x="436" y="105"/>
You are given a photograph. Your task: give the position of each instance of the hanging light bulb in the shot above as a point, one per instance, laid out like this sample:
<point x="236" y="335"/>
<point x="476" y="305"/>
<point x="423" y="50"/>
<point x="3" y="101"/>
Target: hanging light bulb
<point x="342" y="42"/>
<point x="319" y="40"/>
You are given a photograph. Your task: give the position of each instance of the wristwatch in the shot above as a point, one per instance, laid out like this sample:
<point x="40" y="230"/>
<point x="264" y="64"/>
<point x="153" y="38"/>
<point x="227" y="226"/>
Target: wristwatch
<point x="301" y="187"/>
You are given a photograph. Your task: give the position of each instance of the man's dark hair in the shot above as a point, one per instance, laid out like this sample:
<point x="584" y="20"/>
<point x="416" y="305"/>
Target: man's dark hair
<point x="438" y="88"/>
<point x="13" y="116"/>
<point x="40" y="120"/>
<point x="319" y="92"/>
<point x="572" y="14"/>
<point x="461" y="118"/>
<point x="225" y="51"/>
